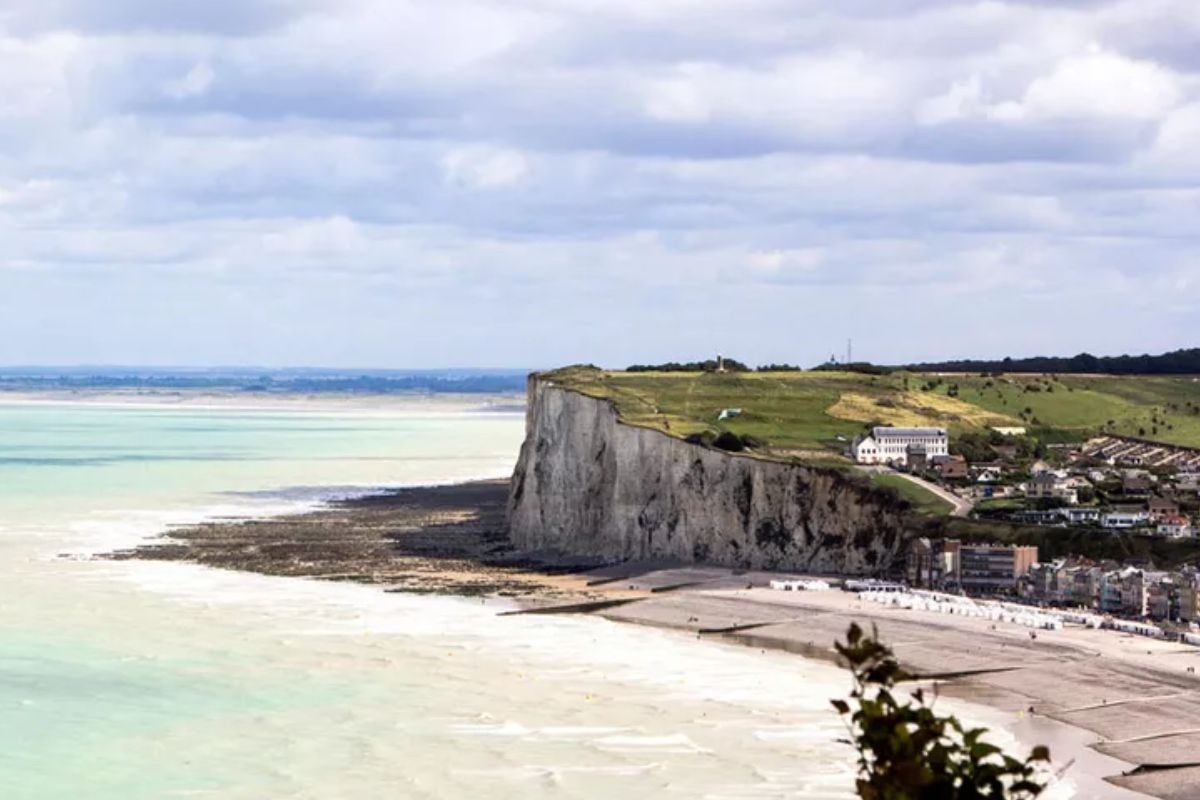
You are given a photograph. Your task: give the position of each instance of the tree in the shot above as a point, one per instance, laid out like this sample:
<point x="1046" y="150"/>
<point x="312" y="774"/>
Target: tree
<point x="907" y="752"/>
<point x="974" y="447"/>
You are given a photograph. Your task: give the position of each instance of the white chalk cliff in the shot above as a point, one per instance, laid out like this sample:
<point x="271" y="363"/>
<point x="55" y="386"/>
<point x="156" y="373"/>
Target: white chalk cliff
<point x="587" y="483"/>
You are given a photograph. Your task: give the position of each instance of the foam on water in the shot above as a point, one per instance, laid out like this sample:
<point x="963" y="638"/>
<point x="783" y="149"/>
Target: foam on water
<point x="147" y="680"/>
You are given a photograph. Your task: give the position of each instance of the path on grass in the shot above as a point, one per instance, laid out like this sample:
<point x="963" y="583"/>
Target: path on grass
<point x="962" y="506"/>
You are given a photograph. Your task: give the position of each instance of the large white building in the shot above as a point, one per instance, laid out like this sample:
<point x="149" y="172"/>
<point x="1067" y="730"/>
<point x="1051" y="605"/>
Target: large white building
<point x="891" y="445"/>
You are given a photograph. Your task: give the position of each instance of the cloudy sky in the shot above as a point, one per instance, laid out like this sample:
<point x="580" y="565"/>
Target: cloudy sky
<point x="529" y="182"/>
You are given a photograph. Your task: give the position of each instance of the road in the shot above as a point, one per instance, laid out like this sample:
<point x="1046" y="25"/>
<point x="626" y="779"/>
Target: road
<point x="962" y="506"/>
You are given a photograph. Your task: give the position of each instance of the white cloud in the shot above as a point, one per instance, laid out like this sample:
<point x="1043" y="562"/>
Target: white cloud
<point x="963" y="100"/>
<point x="36" y="82"/>
<point x="1177" y="144"/>
<point x="780" y="265"/>
<point x="193" y="84"/>
<point x="1099" y="84"/>
<point x="483" y="167"/>
<point x="808" y="97"/>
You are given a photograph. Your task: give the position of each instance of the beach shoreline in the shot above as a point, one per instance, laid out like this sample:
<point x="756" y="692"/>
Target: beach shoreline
<point x="445" y="538"/>
<point x="450" y="540"/>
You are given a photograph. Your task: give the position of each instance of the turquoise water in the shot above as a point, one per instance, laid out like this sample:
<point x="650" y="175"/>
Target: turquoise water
<point x="145" y="680"/>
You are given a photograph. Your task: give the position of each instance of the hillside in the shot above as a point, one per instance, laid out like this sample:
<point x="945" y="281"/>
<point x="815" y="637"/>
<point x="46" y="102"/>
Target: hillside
<point x="804" y="413"/>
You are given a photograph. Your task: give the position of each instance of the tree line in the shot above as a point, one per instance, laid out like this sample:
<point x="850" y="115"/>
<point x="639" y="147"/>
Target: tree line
<point x="1178" y="362"/>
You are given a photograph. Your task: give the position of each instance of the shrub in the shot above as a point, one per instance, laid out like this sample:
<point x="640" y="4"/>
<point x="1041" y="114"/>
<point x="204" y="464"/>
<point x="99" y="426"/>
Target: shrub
<point x="730" y="441"/>
<point x="907" y="752"/>
<point x="710" y="365"/>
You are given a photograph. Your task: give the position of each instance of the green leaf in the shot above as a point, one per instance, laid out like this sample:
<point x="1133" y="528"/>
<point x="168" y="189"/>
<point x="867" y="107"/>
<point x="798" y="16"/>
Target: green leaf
<point x="909" y="752"/>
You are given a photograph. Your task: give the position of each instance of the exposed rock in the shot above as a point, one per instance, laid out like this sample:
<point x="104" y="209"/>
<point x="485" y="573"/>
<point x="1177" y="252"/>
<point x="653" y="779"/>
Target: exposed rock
<point x="587" y="483"/>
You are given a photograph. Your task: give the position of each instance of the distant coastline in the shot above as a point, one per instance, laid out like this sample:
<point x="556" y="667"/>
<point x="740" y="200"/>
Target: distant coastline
<point x="264" y="381"/>
<point x="236" y="399"/>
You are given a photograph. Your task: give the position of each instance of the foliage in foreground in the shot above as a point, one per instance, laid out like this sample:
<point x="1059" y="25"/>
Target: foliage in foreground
<point x="907" y="752"/>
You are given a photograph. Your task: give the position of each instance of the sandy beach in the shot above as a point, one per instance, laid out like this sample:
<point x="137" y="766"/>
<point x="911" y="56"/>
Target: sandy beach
<point x="1131" y="699"/>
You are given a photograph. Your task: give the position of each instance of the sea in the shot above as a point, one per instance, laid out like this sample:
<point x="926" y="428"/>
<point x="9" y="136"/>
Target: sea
<point x="134" y="680"/>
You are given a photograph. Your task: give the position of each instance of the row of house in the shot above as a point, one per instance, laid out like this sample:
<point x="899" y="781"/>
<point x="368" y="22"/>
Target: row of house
<point x="1122" y="591"/>
<point x="1129" y="452"/>
<point x="1160" y="516"/>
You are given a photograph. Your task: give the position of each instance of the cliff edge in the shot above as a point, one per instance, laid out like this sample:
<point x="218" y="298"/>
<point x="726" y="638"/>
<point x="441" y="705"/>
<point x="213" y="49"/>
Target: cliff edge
<point x="587" y="483"/>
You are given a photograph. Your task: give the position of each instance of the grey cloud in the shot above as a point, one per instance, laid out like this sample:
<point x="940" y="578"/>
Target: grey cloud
<point x="388" y="169"/>
<point x="220" y="17"/>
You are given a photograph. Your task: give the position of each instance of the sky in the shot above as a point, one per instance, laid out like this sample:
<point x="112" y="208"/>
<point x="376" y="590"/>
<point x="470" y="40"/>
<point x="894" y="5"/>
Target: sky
<point x="386" y="183"/>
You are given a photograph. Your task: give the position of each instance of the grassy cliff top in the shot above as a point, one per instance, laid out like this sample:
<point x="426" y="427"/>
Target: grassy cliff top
<point x="805" y="412"/>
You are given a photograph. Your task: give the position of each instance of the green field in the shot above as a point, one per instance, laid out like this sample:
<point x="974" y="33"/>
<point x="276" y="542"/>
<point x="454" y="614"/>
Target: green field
<point x="1164" y="409"/>
<point x="805" y="413"/>
<point x="921" y="499"/>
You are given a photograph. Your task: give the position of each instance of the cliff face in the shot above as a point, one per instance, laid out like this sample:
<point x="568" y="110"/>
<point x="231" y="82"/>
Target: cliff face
<point x="588" y="484"/>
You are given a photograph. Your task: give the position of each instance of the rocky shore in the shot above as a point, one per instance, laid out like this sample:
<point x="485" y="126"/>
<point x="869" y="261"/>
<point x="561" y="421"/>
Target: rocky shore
<point x="442" y="539"/>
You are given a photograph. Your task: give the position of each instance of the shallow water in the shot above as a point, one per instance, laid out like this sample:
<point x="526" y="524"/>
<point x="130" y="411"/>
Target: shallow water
<point x="148" y="680"/>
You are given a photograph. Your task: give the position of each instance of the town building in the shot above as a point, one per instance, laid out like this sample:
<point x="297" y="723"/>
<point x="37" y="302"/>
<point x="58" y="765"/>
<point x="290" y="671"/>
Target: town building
<point x="1050" y="486"/>
<point x="1110" y="592"/>
<point x="1081" y="516"/>
<point x="988" y="569"/>
<point x="929" y="562"/>
<point x="1176" y="527"/>
<point x="918" y="458"/>
<point x="1053" y="516"/>
<point x="982" y="569"/>
<point x="952" y="467"/>
<point x="1188" y="594"/>
<point x="988" y="473"/>
<point x="1136" y="483"/>
<point x="1010" y="431"/>
<point x="1085" y="586"/>
<point x="1160" y="508"/>
<point x="1049" y="583"/>
<point x="887" y="445"/>
<point x="1162" y="597"/>
<point x="1124" y="519"/>
<point x="1135" y="591"/>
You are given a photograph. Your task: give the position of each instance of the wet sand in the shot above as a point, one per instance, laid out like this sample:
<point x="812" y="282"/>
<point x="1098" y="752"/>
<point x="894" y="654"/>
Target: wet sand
<point x="1132" y="699"/>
